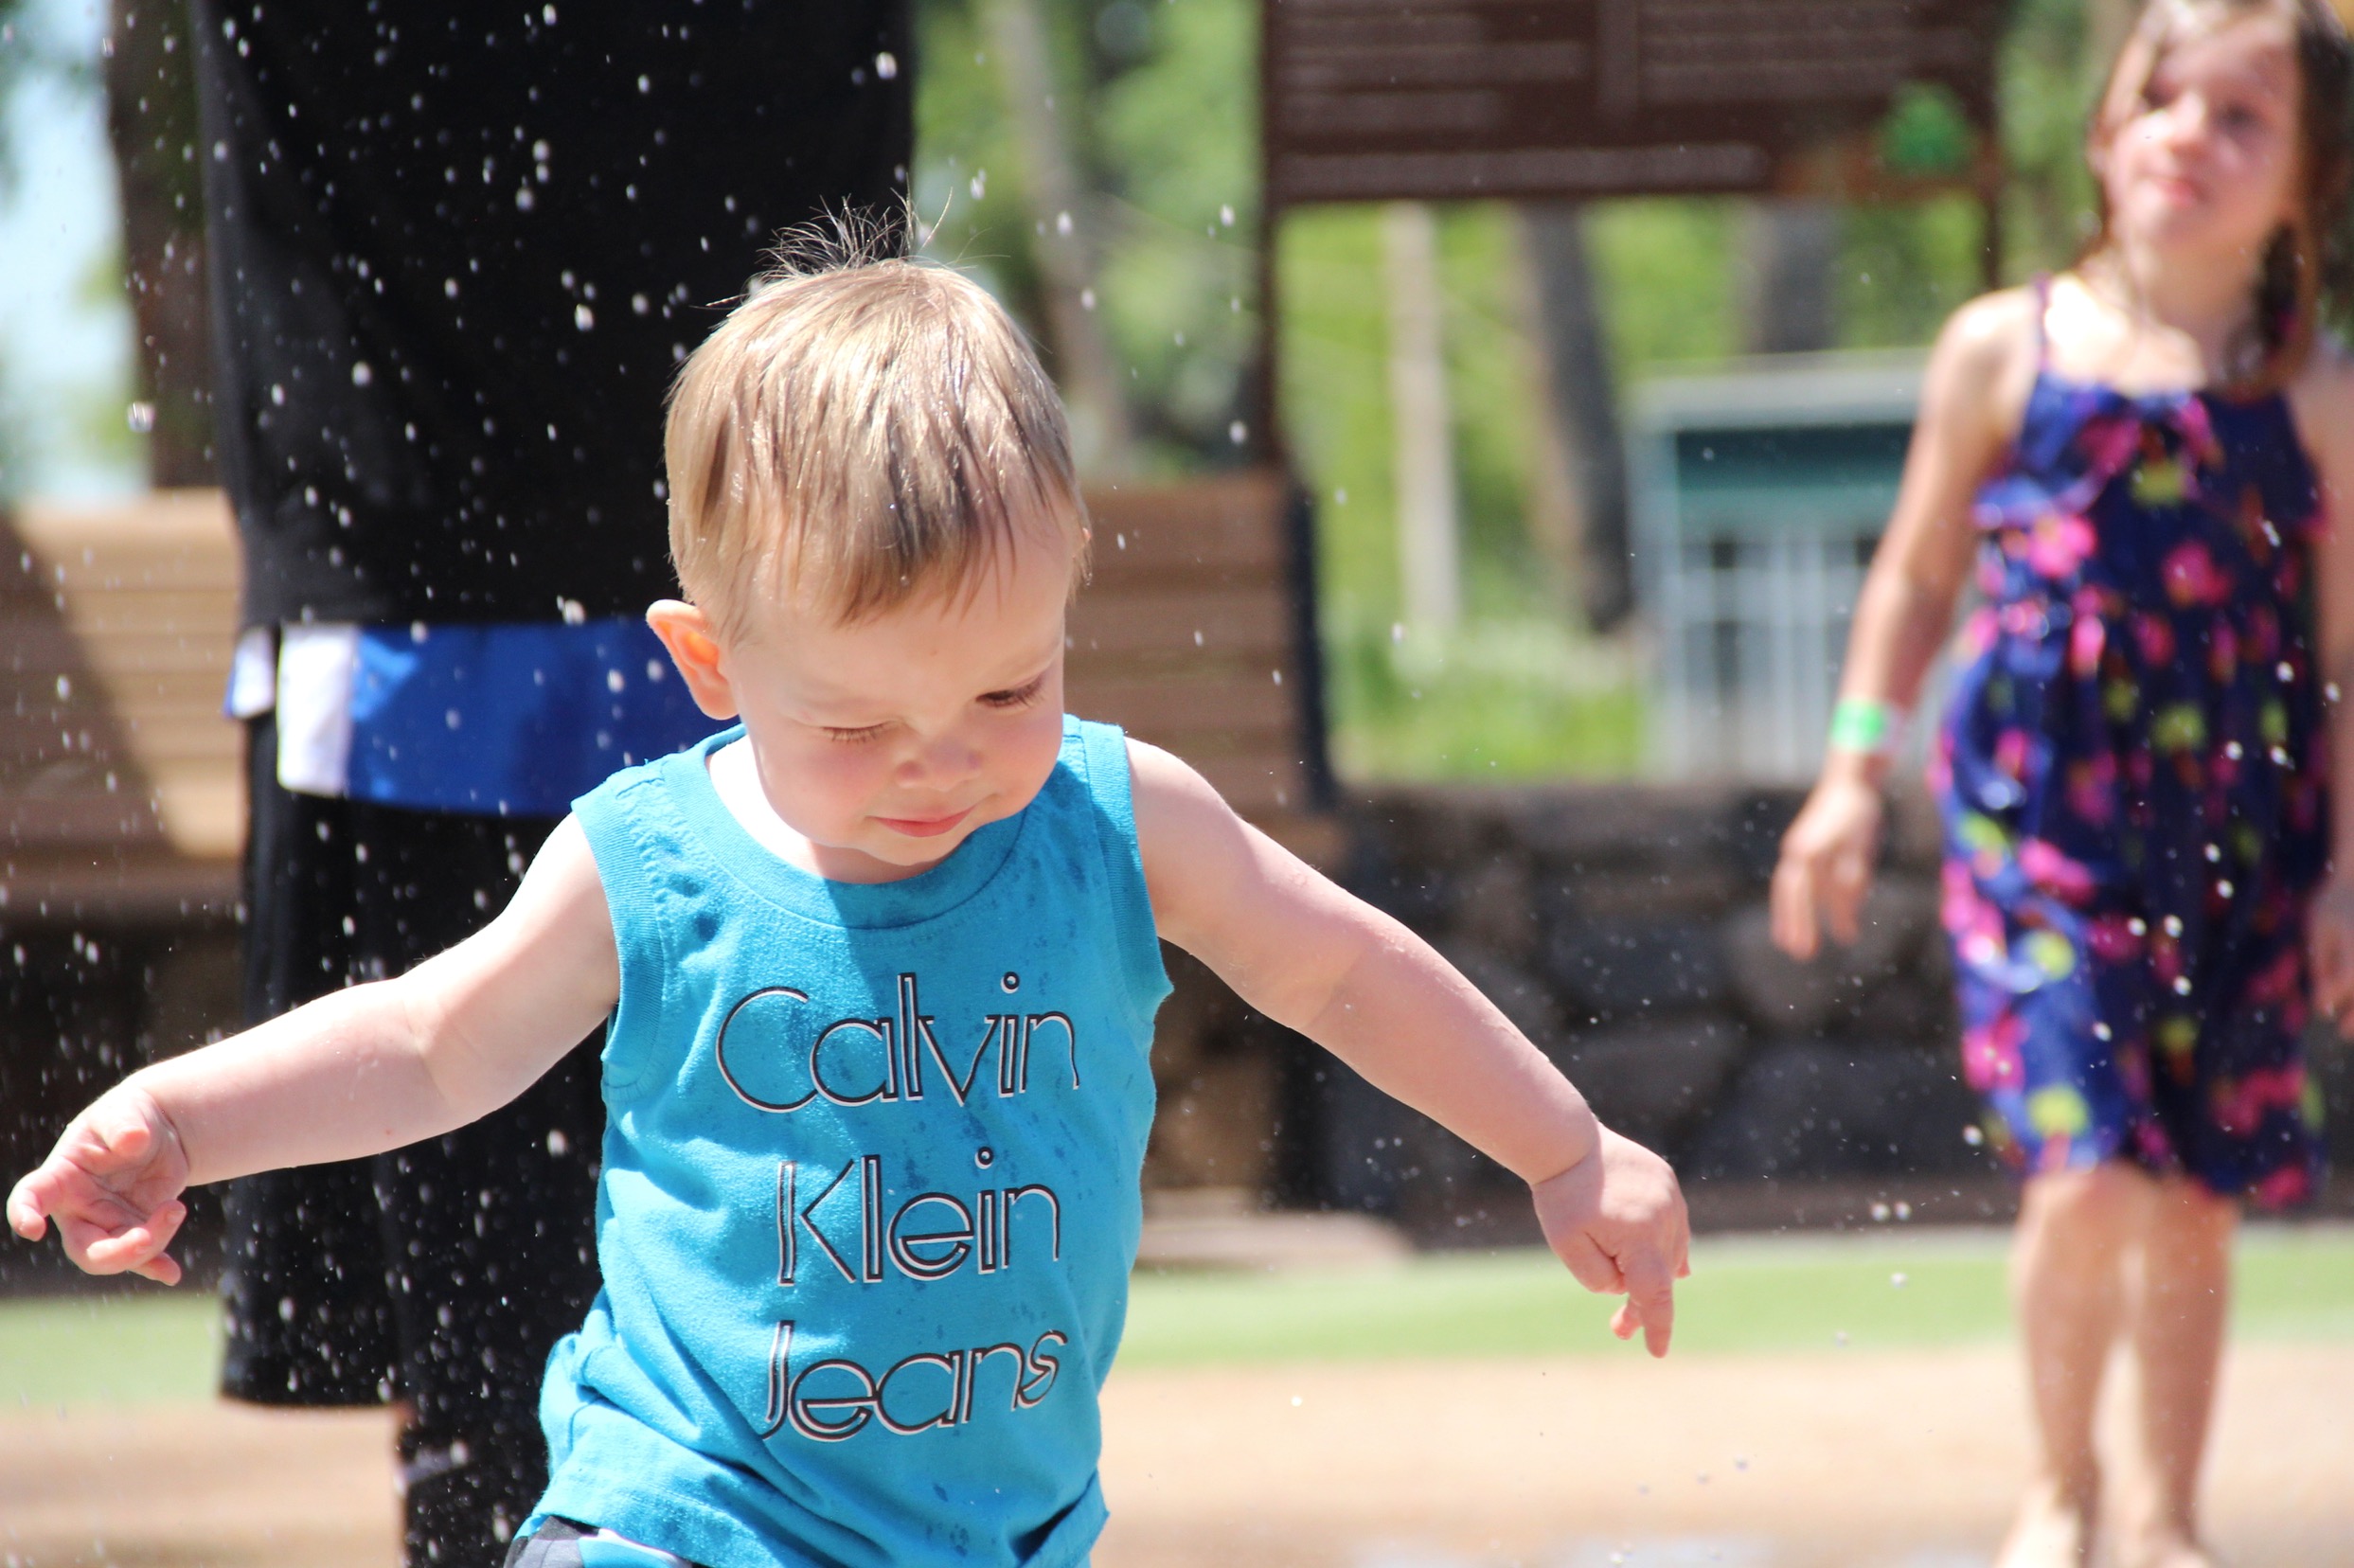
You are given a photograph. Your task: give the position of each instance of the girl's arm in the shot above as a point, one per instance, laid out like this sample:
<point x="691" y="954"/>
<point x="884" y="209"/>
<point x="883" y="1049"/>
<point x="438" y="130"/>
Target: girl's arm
<point x="1972" y="398"/>
<point x="2323" y="400"/>
<point x="1311" y="957"/>
<point x="363" y="1070"/>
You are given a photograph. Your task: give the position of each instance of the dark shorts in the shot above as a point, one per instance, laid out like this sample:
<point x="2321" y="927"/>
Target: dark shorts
<point x="562" y="1544"/>
<point x="439" y="1275"/>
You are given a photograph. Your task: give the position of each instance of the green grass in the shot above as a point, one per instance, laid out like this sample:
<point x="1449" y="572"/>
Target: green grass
<point x="1748" y="1295"/>
<point x="139" y="1349"/>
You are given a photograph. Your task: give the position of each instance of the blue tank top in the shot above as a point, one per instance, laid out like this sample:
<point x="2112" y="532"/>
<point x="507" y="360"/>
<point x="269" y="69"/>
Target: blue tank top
<point x="871" y="1184"/>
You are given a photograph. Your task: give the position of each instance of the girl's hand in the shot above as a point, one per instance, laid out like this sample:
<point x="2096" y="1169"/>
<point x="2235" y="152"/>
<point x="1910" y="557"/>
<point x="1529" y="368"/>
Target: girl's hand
<point x="2330" y="942"/>
<point x="1617" y="1219"/>
<point x="1825" y="867"/>
<point x="112" y="1184"/>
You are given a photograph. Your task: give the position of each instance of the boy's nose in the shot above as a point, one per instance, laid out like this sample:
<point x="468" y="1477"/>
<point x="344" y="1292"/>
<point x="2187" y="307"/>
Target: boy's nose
<point x="941" y="762"/>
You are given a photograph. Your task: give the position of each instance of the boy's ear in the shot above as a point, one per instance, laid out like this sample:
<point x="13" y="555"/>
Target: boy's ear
<point x="686" y="632"/>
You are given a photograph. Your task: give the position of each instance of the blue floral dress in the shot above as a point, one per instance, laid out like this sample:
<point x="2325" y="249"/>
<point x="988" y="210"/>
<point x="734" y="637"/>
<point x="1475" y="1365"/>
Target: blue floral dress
<point x="2132" y="772"/>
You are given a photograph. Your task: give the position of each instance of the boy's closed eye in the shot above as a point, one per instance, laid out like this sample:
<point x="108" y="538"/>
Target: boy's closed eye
<point x="1007" y="698"/>
<point x="1016" y="697"/>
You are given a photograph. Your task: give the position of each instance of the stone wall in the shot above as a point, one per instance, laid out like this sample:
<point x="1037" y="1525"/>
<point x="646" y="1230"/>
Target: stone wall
<point x="1624" y="929"/>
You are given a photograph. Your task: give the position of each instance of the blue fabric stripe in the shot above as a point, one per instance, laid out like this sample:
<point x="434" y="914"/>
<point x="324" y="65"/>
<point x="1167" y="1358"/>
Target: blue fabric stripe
<point x="511" y="719"/>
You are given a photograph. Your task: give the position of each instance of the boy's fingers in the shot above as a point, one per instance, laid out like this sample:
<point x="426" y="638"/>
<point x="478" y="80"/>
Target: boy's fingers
<point x="1652" y="1297"/>
<point x="162" y="1269"/>
<point x="29" y="1209"/>
<point x="1591" y="1266"/>
<point x="132" y="1247"/>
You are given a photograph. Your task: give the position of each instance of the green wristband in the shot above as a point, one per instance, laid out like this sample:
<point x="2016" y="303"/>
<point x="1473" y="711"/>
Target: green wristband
<point x="1864" y="724"/>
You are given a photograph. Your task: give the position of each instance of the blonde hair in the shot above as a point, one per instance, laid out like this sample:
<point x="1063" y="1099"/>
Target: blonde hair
<point x="2307" y="271"/>
<point x="858" y="432"/>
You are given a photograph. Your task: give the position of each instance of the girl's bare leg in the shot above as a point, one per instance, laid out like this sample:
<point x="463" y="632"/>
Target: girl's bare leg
<point x="2176" y="1318"/>
<point x="2068" y="1286"/>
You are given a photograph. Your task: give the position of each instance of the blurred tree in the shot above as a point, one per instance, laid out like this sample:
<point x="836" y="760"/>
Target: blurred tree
<point x="151" y="95"/>
<point x="1155" y="115"/>
<point x="1581" y="412"/>
<point x="1065" y="233"/>
<point x="2052" y="63"/>
<point x="1789" y="247"/>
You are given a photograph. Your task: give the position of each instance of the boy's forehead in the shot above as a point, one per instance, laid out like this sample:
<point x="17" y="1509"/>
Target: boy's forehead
<point x="996" y="623"/>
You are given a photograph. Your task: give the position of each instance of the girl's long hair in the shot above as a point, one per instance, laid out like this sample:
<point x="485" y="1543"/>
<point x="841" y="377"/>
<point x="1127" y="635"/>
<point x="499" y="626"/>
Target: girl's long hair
<point x="2305" y="278"/>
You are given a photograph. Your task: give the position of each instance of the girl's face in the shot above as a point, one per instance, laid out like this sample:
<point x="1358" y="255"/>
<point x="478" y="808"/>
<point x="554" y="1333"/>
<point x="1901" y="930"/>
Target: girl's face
<point x="2207" y="159"/>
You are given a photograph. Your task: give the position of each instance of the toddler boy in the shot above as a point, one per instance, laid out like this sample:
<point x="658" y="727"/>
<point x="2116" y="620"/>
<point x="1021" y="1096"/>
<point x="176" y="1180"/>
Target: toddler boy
<point x="878" y="968"/>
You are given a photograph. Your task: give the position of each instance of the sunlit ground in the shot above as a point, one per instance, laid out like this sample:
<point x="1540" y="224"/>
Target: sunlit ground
<point x="1840" y="1401"/>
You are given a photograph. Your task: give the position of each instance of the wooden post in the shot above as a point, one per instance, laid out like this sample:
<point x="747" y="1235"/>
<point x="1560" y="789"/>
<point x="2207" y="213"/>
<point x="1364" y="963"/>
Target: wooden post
<point x="1421" y="424"/>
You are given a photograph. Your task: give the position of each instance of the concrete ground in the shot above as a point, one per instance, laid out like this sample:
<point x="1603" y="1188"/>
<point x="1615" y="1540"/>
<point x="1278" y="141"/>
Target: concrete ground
<point x="1829" y="1460"/>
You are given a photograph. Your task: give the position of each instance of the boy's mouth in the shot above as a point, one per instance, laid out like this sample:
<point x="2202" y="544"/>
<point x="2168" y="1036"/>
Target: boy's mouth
<point x="925" y="827"/>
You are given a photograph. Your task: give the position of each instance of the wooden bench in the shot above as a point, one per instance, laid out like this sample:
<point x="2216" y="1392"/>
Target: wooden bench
<point x="122" y="785"/>
<point x="122" y="792"/>
<point x="1187" y="635"/>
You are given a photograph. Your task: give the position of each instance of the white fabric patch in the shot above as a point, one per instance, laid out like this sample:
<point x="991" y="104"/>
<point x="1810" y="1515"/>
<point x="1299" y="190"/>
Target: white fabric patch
<point x="253" y="673"/>
<point x="315" y="666"/>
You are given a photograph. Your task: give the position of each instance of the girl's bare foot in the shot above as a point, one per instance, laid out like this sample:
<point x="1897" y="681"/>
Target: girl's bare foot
<point x="2052" y="1530"/>
<point x="2163" y="1549"/>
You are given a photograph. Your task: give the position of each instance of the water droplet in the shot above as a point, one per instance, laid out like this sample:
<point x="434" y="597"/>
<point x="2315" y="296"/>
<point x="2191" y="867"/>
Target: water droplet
<point x="1900" y="1279"/>
<point x="1297" y="1401"/>
<point x="1238" y="433"/>
<point x="1879" y="1212"/>
<point x="1973" y="1136"/>
<point x="1063" y="223"/>
<point x="1087" y="299"/>
<point x="979" y="183"/>
<point x="140" y="417"/>
<point x="1226" y="215"/>
<point x="614" y="681"/>
<point x="886" y="66"/>
<point x="583" y="317"/>
<point x="64" y="688"/>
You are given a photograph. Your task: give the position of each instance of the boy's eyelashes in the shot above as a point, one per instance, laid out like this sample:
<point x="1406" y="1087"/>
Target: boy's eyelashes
<point x="1010" y="697"/>
<point x="1017" y="697"/>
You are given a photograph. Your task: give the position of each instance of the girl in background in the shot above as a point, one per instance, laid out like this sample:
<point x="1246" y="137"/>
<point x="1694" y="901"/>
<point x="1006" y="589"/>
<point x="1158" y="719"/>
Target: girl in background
<point x="2149" y="863"/>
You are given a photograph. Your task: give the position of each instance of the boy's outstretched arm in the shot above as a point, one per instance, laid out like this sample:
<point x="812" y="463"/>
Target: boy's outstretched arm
<point x="363" y="1070"/>
<point x="1363" y="987"/>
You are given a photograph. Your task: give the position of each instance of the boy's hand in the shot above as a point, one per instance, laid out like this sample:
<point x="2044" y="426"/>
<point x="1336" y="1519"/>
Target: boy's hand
<point x="1617" y="1219"/>
<point x="112" y="1184"/>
